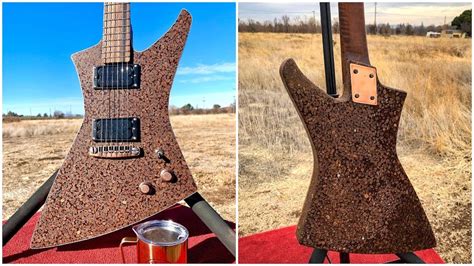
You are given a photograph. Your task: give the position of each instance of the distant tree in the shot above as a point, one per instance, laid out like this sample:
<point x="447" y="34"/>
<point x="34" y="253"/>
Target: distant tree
<point x="10" y="113"/>
<point x="431" y="28"/>
<point x="409" y="30"/>
<point x="371" y="29"/>
<point x="45" y="115"/>
<point x="400" y="29"/>
<point x="286" y="22"/>
<point x="384" y="29"/>
<point x="335" y="26"/>
<point x="216" y="106"/>
<point x="58" y="114"/>
<point x="38" y="115"/>
<point x="464" y="22"/>
<point x="420" y="30"/>
<point x="187" y="107"/>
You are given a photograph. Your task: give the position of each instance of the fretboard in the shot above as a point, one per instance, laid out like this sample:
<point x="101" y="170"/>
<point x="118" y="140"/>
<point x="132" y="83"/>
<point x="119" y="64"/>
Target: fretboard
<point x="116" y="40"/>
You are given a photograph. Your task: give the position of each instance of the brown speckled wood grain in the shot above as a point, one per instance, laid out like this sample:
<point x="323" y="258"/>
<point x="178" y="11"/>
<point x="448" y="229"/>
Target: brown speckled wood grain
<point x="360" y="200"/>
<point x="94" y="196"/>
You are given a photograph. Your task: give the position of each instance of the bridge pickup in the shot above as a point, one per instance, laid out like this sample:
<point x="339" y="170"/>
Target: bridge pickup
<point x="117" y="76"/>
<point x="115" y="151"/>
<point x="116" y="129"/>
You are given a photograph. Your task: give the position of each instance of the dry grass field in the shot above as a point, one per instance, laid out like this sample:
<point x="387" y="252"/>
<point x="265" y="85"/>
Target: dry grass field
<point x="275" y="160"/>
<point x="32" y="150"/>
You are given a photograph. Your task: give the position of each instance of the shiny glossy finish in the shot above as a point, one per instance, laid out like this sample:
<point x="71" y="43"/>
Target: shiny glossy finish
<point x="159" y="242"/>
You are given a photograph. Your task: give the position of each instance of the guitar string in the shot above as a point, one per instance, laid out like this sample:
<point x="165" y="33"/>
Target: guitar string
<point x="107" y="138"/>
<point x="114" y="90"/>
<point x="120" y="132"/>
<point x="104" y="74"/>
<point x="127" y="7"/>
<point x="124" y="71"/>
<point x="121" y="81"/>
<point x="116" y="112"/>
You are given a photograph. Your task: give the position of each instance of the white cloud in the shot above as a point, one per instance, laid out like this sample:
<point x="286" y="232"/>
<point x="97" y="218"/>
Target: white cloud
<point x="207" y="69"/>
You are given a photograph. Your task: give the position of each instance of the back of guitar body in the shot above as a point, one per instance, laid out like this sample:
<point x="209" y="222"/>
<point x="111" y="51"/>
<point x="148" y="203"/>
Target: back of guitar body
<point x="125" y="164"/>
<point x="360" y="199"/>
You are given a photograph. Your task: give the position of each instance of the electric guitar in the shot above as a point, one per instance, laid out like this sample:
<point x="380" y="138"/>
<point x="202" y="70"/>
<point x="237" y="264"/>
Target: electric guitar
<point x="125" y="164"/>
<point x="360" y="199"/>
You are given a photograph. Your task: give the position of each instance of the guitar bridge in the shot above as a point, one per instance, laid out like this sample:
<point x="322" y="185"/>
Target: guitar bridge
<point x="115" y="151"/>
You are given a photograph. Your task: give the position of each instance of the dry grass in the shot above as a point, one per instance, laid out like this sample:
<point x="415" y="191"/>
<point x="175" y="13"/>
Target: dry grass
<point x="32" y="151"/>
<point x="32" y="128"/>
<point x="275" y="160"/>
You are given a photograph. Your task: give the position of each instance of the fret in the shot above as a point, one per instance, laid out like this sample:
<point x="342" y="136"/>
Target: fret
<point x="127" y="26"/>
<point x="115" y="4"/>
<point x="115" y="54"/>
<point x="120" y="33"/>
<point x="116" y="19"/>
<point x="115" y="59"/>
<point x="113" y="46"/>
<point x="116" y="51"/>
<point x="118" y="12"/>
<point x="116" y="46"/>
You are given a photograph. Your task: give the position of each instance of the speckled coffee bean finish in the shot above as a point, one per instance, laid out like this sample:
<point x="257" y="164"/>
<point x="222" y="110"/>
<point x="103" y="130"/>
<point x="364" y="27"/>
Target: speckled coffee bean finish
<point x="95" y="196"/>
<point x="360" y="199"/>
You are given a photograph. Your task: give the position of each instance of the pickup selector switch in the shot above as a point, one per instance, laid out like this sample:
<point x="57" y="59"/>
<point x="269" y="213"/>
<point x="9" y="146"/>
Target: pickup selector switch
<point x="166" y="176"/>
<point x="160" y="153"/>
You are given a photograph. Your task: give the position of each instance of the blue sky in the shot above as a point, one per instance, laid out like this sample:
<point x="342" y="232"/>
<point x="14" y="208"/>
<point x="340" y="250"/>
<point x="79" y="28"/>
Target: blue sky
<point x="38" y="40"/>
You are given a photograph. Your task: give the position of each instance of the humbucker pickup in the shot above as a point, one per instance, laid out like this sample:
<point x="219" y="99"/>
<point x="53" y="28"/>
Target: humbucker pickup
<point x="116" y="129"/>
<point x="117" y="76"/>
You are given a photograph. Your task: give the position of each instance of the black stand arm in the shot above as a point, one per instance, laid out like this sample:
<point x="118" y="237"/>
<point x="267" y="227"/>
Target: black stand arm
<point x="328" y="52"/>
<point x="318" y="256"/>
<point x="409" y="257"/>
<point x="212" y="220"/>
<point x="27" y="210"/>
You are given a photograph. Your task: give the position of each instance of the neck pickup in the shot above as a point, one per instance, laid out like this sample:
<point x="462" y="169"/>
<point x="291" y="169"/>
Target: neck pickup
<point x="117" y="76"/>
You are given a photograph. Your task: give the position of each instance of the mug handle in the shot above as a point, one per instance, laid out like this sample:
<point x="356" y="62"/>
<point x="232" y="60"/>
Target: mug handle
<point x="126" y="240"/>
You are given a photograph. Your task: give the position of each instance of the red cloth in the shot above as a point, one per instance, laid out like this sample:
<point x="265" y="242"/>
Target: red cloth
<point x="204" y="247"/>
<point x="281" y="246"/>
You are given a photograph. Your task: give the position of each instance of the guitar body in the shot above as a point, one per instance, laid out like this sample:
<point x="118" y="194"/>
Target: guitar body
<point x="360" y="199"/>
<point x="94" y="196"/>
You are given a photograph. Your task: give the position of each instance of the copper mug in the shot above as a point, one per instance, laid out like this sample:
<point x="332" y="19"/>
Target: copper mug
<point x="159" y="242"/>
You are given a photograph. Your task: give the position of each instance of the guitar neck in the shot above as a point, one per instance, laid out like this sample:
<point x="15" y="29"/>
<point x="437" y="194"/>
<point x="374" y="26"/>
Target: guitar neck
<point x="353" y="37"/>
<point x="117" y="34"/>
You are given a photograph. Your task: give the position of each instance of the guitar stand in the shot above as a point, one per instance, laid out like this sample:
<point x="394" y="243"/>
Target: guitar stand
<point x="319" y="255"/>
<point x="196" y="202"/>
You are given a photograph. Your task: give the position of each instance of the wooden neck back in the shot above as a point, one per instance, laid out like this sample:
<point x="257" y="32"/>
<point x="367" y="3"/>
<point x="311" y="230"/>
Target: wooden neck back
<point x="353" y="39"/>
<point x="117" y="33"/>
